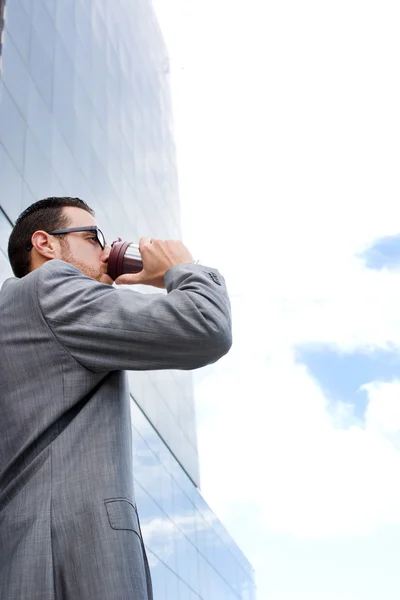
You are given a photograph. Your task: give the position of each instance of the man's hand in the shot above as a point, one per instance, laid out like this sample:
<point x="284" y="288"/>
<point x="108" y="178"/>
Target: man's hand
<point x="157" y="257"/>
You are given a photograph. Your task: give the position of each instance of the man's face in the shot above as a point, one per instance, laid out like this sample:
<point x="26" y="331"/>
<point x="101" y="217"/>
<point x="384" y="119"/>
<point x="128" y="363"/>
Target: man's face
<point x="82" y="249"/>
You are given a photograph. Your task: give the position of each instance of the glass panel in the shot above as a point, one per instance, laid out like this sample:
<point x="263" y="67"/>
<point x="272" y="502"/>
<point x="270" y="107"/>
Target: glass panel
<point x="159" y="532"/>
<point x="11" y="185"/>
<point x="142" y="424"/>
<point x="187" y="563"/>
<point x="41" y="68"/>
<point x="147" y="467"/>
<point x="44" y="27"/>
<point x="5" y="268"/>
<point x="81" y="146"/>
<point x="219" y="588"/>
<point x="14" y="73"/>
<point x="18" y="26"/>
<point x="37" y="169"/>
<point x="63" y="100"/>
<point x="39" y="119"/>
<point x="50" y="7"/>
<point x="157" y="569"/>
<point x="83" y="65"/>
<point x="192" y="528"/>
<point x="184" y="591"/>
<point x="64" y="18"/>
<point x="28" y="5"/>
<point x="99" y="140"/>
<point x="183" y="558"/>
<point x="12" y="129"/>
<point x="63" y="161"/>
<point x="172" y="585"/>
<point x="167" y="503"/>
<point x="204" y="577"/>
<point x="184" y="514"/>
<point x="82" y="21"/>
<point x="5" y="230"/>
<point x="27" y="197"/>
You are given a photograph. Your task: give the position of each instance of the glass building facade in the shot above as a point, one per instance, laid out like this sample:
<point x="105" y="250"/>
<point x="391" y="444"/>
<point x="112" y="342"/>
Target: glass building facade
<point x="85" y="111"/>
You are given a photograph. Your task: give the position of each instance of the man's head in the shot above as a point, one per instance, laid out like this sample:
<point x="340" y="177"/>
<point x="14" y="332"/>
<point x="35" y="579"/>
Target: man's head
<point x="31" y="244"/>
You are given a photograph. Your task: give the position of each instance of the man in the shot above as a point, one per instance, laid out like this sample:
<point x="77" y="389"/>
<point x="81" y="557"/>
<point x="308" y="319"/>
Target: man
<point x="68" y="522"/>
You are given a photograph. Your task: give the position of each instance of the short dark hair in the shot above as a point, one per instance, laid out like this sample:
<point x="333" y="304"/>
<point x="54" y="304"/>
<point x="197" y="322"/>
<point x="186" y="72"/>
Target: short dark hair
<point x="46" y="214"/>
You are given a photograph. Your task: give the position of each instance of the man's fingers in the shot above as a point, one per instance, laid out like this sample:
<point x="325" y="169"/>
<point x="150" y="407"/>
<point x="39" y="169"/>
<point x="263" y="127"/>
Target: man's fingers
<point x="144" y="241"/>
<point x="129" y="279"/>
<point x="157" y="256"/>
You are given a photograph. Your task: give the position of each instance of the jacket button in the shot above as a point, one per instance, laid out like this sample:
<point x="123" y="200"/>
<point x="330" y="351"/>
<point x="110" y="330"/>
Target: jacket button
<point x="215" y="279"/>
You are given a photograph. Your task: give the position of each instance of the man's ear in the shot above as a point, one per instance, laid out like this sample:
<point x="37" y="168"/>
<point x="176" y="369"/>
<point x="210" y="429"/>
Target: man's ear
<point x="44" y="244"/>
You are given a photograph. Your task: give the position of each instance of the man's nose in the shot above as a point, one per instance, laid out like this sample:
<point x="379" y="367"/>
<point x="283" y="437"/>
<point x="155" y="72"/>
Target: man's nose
<point x="105" y="254"/>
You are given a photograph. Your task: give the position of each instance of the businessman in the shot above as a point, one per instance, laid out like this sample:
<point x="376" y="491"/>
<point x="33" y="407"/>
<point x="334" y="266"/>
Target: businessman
<point x="69" y="528"/>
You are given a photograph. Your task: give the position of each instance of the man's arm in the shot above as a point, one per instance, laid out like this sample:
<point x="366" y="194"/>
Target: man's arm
<point x="107" y="329"/>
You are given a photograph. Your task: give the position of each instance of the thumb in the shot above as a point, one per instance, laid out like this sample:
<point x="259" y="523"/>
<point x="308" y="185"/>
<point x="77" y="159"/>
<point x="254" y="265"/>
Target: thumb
<point x="129" y="279"/>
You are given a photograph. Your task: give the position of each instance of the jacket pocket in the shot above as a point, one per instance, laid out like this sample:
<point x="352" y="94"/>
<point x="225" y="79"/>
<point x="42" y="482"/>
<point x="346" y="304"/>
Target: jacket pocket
<point x="122" y="514"/>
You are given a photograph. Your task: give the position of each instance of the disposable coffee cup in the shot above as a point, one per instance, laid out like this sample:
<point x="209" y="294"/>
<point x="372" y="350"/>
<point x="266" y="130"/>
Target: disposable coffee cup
<point x="124" y="258"/>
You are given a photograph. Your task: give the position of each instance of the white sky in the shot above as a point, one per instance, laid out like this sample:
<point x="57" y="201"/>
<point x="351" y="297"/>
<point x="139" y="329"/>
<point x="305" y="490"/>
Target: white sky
<point x="287" y="123"/>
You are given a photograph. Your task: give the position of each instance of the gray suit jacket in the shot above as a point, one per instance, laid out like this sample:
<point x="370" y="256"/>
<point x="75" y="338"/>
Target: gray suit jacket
<point x="68" y="522"/>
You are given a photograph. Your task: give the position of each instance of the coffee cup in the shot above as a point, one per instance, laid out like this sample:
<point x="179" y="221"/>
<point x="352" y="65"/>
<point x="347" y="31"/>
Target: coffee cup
<point x="124" y="258"/>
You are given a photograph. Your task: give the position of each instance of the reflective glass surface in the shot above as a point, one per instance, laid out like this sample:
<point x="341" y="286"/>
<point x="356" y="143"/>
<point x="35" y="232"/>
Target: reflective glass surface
<point x="85" y="111"/>
<point x="5" y="230"/>
<point x="190" y="552"/>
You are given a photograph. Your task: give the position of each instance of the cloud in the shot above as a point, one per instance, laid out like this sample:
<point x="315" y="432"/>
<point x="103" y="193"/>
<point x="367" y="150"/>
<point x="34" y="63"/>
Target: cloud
<point x="345" y="377"/>
<point x="383" y="253"/>
<point x="170" y="538"/>
<point x="161" y="534"/>
<point x="306" y="467"/>
<point x="281" y="449"/>
<point x="383" y="413"/>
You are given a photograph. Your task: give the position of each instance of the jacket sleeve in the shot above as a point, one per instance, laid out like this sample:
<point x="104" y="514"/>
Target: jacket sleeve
<point x="107" y="328"/>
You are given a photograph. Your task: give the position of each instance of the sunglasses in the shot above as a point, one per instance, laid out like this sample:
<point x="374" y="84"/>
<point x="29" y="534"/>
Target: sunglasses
<point x="99" y="234"/>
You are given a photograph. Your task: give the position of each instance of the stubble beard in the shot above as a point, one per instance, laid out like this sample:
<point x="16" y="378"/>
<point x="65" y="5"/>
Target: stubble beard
<point x="68" y="257"/>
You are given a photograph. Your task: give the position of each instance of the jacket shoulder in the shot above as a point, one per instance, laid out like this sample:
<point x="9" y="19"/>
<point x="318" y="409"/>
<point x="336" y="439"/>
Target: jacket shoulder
<point x="55" y="269"/>
<point x="50" y="270"/>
